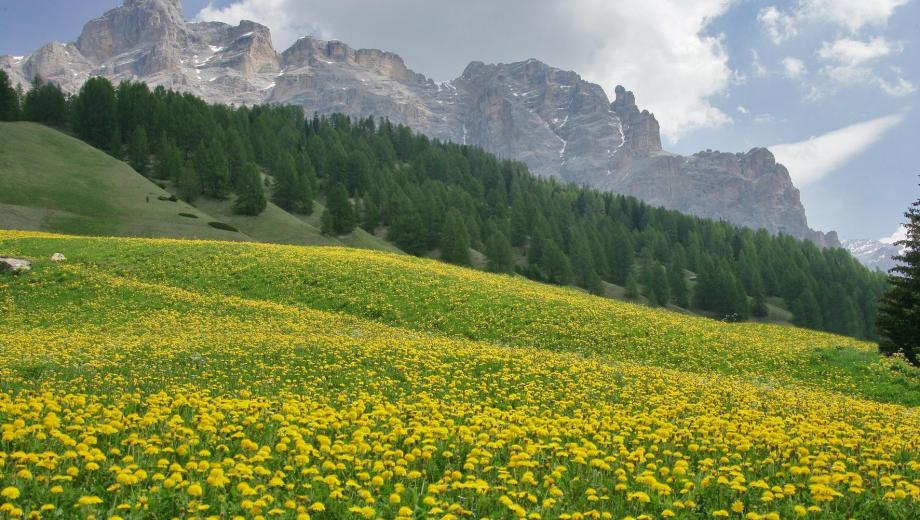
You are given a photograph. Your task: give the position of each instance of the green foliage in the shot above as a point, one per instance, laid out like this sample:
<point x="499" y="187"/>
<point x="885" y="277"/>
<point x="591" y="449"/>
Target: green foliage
<point x="139" y="151"/>
<point x="250" y="197"/>
<point x="899" y="311"/>
<point x="45" y="103"/>
<point x="94" y="116"/>
<point x="189" y="182"/>
<point x="455" y="241"/>
<point x="9" y="99"/>
<point x="498" y="251"/>
<point x="341" y="212"/>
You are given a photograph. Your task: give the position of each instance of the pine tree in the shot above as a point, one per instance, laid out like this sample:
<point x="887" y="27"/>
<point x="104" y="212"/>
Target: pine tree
<point x="285" y="185"/>
<point x="94" y="113"/>
<point x="499" y="254"/>
<point x="341" y="210"/>
<point x="45" y="103"/>
<point x="555" y="264"/>
<point x="898" y="318"/>
<point x="9" y="100"/>
<point x="659" y="291"/>
<point x="250" y="197"/>
<point x="168" y="159"/>
<point x="677" y="283"/>
<point x="138" y="151"/>
<point x="189" y="182"/>
<point x="455" y="241"/>
<point x="632" y="286"/>
<point x="806" y="312"/>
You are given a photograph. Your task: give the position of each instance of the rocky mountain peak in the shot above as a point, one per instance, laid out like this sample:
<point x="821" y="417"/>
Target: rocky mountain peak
<point x="135" y="23"/>
<point x="640" y="127"/>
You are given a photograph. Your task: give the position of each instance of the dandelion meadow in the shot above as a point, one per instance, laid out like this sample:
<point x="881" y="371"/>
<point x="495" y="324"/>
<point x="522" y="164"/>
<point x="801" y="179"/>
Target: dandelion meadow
<point x="182" y="379"/>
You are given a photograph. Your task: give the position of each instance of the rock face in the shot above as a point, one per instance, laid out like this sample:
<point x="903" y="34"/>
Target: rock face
<point x="553" y="120"/>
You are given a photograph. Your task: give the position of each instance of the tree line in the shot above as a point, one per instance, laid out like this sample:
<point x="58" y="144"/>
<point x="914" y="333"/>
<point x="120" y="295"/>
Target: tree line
<point x="458" y="202"/>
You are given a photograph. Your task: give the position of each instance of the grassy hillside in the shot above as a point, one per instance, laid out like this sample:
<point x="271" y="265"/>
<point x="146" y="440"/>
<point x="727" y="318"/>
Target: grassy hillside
<point x="53" y="182"/>
<point x="199" y="378"/>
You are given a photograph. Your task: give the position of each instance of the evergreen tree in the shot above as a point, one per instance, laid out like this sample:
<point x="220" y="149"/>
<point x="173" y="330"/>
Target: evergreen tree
<point x="583" y="263"/>
<point x="94" y="113"/>
<point x="658" y="289"/>
<point x="138" y="151"/>
<point x="677" y="283"/>
<point x="406" y="228"/>
<point x="632" y="286"/>
<point x="168" y="160"/>
<point x="189" y="183"/>
<point x="285" y="185"/>
<point x="455" y="241"/>
<point x="250" y="197"/>
<point x="45" y="103"/>
<point x="340" y="209"/>
<point x="327" y="222"/>
<point x="806" y="312"/>
<point x="9" y="100"/>
<point x="499" y="254"/>
<point x="899" y="310"/>
<point x="555" y="264"/>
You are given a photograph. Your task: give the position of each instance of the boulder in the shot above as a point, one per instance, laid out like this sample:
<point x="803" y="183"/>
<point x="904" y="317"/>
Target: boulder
<point x="14" y="265"/>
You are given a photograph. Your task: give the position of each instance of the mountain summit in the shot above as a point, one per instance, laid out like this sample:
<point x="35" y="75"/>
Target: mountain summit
<point x="559" y="124"/>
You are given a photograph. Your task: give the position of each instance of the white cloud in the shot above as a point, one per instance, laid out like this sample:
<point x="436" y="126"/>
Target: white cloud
<point x="742" y="109"/>
<point x="850" y="61"/>
<point x="657" y="48"/>
<point x="851" y="53"/>
<point x="779" y="25"/>
<point x="813" y="158"/>
<point x="853" y="15"/>
<point x="288" y="20"/>
<point x="897" y="88"/>
<point x="759" y="70"/>
<point x="900" y="234"/>
<point x="793" y="67"/>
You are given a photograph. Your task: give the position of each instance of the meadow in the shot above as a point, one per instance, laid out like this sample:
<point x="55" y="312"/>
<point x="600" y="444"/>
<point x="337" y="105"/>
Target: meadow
<point x="194" y="379"/>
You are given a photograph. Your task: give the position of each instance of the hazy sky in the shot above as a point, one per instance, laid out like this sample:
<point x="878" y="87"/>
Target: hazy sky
<point x="831" y="86"/>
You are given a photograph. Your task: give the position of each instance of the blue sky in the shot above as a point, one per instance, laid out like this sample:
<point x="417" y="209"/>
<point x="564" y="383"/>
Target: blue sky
<point x="831" y="86"/>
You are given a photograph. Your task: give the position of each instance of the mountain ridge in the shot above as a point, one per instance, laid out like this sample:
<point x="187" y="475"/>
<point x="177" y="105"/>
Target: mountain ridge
<point x="560" y="125"/>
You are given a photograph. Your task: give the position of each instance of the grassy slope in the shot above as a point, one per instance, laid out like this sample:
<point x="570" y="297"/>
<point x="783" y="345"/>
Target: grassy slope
<point x="53" y="182"/>
<point x="432" y="297"/>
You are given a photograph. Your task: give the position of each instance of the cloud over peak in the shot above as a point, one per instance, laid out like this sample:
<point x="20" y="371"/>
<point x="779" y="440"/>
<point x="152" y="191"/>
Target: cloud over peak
<point x="810" y="160"/>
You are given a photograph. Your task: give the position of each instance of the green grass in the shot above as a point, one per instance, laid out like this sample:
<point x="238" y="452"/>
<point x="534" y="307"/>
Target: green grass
<point x="433" y="297"/>
<point x="53" y="182"/>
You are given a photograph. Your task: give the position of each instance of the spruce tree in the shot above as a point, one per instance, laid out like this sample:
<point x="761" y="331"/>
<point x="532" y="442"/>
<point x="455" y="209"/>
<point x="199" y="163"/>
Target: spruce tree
<point x="139" y="151"/>
<point x="898" y="318"/>
<point x="499" y="254"/>
<point x="677" y="283"/>
<point x="455" y="241"/>
<point x="285" y="185"/>
<point x="94" y="113"/>
<point x="632" y="286"/>
<point x="189" y="183"/>
<point x="250" y="197"/>
<point x="9" y="100"/>
<point x="555" y="264"/>
<point x="341" y="210"/>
